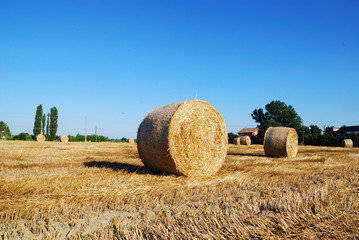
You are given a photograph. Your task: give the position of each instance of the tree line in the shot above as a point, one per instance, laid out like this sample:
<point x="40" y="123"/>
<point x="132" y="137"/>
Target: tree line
<point x="274" y="114"/>
<point x="277" y="113"/>
<point x="47" y="124"/>
<point x="50" y="129"/>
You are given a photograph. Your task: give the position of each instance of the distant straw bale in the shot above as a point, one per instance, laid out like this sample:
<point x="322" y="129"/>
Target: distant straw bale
<point x="40" y="138"/>
<point x="183" y="138"/>
<point x="245" y="140"/>
<point x="64" y="138"/>
<point x="281" y="142"/>
<point x="131" y="140"/>
<point x="347" y="143"/>
<point x="236" y="141"/>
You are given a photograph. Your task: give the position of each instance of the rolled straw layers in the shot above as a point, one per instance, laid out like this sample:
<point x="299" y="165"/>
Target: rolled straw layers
<point x="64" y="138"/>
<point x="40" y="138"/>
<point x="347" y="143"/>
<point x="281" y="142"/>
<point x="183" y="138"/>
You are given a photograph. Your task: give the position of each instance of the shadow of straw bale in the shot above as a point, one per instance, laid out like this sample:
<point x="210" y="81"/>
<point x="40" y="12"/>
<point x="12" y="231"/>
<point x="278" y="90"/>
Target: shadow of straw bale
<point x="115" y="166"/>
<point x="246" y="154"/>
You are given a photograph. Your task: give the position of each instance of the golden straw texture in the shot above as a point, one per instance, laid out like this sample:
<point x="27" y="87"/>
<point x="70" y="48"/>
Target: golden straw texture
<point x="184" y="138"/>
<point x="348" y="143"/>
<point x="64" y="138"/>
<point x="281" y="142"/>
<point x="131" y="140"/>
<point x="237" y="141"/>
<point x="40" y="138"/>
<point x="245" y="140"/>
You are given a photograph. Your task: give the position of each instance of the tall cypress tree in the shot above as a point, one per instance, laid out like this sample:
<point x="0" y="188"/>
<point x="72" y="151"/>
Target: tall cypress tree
<point x="53" y="123"/>
<point x="37" y="123"/>
<point x="43" y="124"/>
<point x="48" y="126"/>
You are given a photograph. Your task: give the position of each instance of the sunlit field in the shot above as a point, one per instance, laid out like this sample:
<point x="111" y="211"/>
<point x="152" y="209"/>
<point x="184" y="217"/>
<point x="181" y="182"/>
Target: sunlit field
<point x="102" y="190"/>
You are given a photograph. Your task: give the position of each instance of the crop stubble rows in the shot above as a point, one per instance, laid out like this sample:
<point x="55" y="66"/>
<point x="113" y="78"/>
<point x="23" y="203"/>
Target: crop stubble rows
<point x="102" y="190"/>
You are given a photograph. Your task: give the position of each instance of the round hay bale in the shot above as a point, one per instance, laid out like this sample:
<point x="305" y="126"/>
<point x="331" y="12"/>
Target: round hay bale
<point x="245" y="140"/>
<point x="40" y="138"/>
<point x="281" y="142"/>
<point x="64" y="138"/>
<point x="347" y="143"/>
<point x="183" y="138"/>
<point x="131" y="140"/>
<point x="237" y="141"/>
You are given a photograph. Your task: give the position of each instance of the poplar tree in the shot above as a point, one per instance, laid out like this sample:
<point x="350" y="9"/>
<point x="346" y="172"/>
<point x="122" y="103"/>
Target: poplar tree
<point x="53" y="123"/>
<point x="48" y="126"/>
<point x="43" y="124"/>
<point x="37" y="123"/>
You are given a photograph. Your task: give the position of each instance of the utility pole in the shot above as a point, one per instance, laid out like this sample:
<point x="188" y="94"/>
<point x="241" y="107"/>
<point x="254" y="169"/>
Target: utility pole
<point x="85" y="129"/>
<point x="96" y="133"/>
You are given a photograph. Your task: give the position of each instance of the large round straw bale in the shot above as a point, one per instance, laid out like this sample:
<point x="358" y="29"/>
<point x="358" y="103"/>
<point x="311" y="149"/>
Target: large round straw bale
<point x="40" y="138"/>
<point x="348" y="143"/>
<point x="64" y="138"/>
<point x="281" y="142"/>
<point x="237" y="141"/>
<point x="131" y="140"/>
<point x="245" y="140"/>
<point x="184" y="138"/>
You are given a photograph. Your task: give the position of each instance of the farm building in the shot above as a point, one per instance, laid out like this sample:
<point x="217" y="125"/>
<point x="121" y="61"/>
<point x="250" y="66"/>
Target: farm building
<point x="349" y="130"/>
<point x="248" y="132"/>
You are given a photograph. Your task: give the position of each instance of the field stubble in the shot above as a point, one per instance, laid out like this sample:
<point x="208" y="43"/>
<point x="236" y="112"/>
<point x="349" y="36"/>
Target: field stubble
<point x="102" y="190"/>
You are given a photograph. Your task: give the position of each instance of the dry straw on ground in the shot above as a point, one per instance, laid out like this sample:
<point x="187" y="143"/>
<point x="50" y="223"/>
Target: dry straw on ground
<point x="245" y="140"/>
<point x="40" y="138"/>
<point x="64" y="138"/>
<point x="183" y="138"/>
<point x="131" y="140"/>
<point x="281" y="142"/>
<point x="348" y="143"/>
<point x="102" y="191"/>
<point x="236" y="141"/>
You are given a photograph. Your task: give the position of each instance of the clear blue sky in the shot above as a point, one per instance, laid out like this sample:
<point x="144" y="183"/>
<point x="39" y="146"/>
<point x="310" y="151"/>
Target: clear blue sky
<point x="114" y="61"/>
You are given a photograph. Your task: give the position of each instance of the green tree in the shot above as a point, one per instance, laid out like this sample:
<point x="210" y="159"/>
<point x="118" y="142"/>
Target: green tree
<point x="277" y="114"/>
<point x="4" y="129"/>
<point x="43" y="124"/>
<point x="48" y="126"/>
<point x="312" y="135"/>
<point x="328" y="130"/>
<point x="231" y="136"/>
<point x="53" y="123"/>
<point x="37" y="123"/>
<point x="23" y="136"/>
<point x="315" y="130"/>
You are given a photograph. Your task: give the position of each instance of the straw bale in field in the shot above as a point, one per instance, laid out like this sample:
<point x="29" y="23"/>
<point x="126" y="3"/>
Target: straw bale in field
<point x="40" y="138"/>
<point x="131" y="140"/>
<point x="64" y="138"/>
<point x="281" y="142"/>
<point x="237" y="141"/>
<point x="245" y="140"/>
<point x="348" y="143"/>
<point x="183" y="138"/>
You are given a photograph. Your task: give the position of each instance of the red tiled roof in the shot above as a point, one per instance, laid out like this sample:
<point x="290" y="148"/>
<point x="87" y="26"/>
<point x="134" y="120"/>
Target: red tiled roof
<point x="248" y="130"/>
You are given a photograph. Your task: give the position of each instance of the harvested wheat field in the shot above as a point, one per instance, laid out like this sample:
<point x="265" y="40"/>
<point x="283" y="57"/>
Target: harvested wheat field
<point x="102" y="190"/>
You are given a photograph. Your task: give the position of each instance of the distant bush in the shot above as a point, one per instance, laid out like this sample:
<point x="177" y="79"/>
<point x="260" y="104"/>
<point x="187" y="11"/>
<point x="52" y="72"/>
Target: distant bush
<point x="92" y="138"/>
<point x="121" y="140"/>
<point x="23" y="136"/>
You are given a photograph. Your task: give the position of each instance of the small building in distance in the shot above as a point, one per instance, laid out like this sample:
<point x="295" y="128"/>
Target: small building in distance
<point x="349" y="130"/>
<point x="248" y="132"/>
